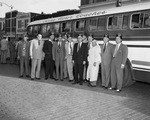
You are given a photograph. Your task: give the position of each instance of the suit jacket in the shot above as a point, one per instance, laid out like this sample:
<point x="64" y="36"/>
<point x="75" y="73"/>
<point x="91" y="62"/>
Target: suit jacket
<point x="36" y="49"/>
<point x="69" y="48"/>
<point x="122" y="54"/>
<point x="47" y="48"/>
<point x="58" y="52"/>
<point x="108" y="54"/>
<point x="81" y="55"/>
<point x="20" y="49"/>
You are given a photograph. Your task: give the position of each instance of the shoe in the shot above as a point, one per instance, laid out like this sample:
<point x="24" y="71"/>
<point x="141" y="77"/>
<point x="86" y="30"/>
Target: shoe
<point x="110" y="88"/>
<point x="81" y="83"/>
<point x="118" y="90"/>
<point x="62" y="80"/>
<point x="46" y="78"/>
<point x="51" y="77"/>
<point x="56" y="79"/>
<point x="27" y="76"/>
<point x="38" y="78"/>
<point x="20" y="76"/>
<point x="70" y="80"/>
<point x="74" y="83"/>
<point x="32" y="78"/>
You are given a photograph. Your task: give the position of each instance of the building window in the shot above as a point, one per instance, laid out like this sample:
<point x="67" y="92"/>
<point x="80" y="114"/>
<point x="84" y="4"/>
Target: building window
<point x="44" y="30"/>
<point x="19" y="24"/>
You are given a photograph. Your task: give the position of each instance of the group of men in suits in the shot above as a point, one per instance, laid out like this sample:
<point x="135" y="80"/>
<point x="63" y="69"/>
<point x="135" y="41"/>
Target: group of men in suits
<point x="114" y="58"/>
<point x="64" y="54"/>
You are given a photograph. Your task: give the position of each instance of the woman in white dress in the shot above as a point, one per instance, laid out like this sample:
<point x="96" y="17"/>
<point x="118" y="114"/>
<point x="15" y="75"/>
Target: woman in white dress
<point x="94" y="59"/>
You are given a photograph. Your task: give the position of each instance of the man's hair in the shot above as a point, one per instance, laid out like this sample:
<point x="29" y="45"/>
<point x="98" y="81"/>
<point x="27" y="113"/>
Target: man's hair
<point x="106" y="35"/>
<point x="119" y="35"/>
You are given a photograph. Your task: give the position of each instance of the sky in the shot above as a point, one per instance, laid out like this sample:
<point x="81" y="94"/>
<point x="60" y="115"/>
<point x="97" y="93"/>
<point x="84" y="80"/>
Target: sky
<point x="38" y="6"/>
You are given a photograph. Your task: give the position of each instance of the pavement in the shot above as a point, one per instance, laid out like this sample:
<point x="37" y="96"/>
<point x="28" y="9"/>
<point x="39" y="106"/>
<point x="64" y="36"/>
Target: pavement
<point x="23" y="99"/>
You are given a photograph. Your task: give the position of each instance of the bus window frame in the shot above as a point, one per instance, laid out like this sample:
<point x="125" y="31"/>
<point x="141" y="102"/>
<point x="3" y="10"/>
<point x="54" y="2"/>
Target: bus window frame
<point x="104" y="24"/>
<point x="131" y="21"/>
<point x="76" y="23"/>
<point x="117" y="22"/>
<point x="89" y="24"/>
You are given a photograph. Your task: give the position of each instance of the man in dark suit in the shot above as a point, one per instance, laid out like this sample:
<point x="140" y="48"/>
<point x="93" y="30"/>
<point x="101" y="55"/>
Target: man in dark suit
<point x="47" y="49"/>
<point x="59" y="57"/>
<point x="118" y="63"/>
<point x="106" y="56"/>
<point x="79" y="60"/>
<point x="23" y="56"/>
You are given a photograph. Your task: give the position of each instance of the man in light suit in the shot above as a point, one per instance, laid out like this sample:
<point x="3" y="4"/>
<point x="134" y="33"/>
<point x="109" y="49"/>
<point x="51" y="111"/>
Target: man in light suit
<point x="58" y="52"/>
<point x="118" y="63"/>
<point x="23" y="56"/>
<point x="106" y="56"/>
<point x="36" y="54"/>
<point x="69" y="52"/>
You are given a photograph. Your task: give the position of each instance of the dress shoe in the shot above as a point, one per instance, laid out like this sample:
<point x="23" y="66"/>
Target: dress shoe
<point x="81" y="83"/>
<point x="27" y="76"/>
<point x="70" y="80"/>
<point x="118" y="90"/>
<point x="51" y="77"/>
<point x="46" y="78"/>
<point x="20" y="76"/>
<point x="62" y="80"/>
<point x="110" y="88"/>
<point x="74" y="83"/>
<point x="38" y="78"/>
<point x="90" y="85"/>
<point x="32" y="78"/>
<point x="56" y="79"/>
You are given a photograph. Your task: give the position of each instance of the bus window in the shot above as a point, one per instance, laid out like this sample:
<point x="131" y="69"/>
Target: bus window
<point x="44" y="30"/>
<point x="66" y="27"/>
<point x="125" y="22"/>
<point x="140" y="20"/>
<point x="93" y="24"/>
<point x="113" y="23"/>
<point x="101" y="24"/>
<point x="110" y="22"/>
<point x="36" y="30"/>
<point x="79" y="25"/>
<point x="146" y="19"/>
<point x="56" y="27"/>
<point x="135" y="21"/>
<point x="30" y="30"/>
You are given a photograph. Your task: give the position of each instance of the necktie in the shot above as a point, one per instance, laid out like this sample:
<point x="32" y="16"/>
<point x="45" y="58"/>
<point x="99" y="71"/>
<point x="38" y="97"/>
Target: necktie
<point x="38" y="42"/>
<point x="78" y="47"/>
<point x="115" y="52"/>
<point x="104" y="48"/>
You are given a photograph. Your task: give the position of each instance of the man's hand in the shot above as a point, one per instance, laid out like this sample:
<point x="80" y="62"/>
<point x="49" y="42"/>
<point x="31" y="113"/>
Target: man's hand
<point x="84" y="62"/>
<point x="72" y="61"/>
<point x="18" y="58"/>
<point x="94" y="64"/>
<point x="122" y="66"/>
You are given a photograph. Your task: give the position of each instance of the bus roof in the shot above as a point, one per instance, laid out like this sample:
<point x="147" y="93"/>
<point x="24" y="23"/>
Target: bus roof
<point x="115" y="10"/>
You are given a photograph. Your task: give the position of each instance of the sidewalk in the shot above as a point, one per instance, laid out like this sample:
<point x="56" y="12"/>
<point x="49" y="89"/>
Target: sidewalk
<point x="23" y="99"/>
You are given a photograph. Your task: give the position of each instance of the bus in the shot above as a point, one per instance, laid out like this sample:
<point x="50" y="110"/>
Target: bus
<point x="132" y="21"/>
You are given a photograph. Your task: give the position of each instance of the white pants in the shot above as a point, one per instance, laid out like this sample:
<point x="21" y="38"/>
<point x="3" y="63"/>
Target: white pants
<point x="35" y="73"/>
